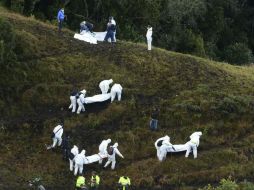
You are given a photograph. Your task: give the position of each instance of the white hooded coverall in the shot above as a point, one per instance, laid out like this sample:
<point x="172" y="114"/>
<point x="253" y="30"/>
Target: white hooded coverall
<point x="103" y="148"/>
<point x="149" y="34"/>
<point x="73" y="104"/>
<point x="81" y="101"/>
<point x="116" y="90"/>
<point x="74" y="151"/>
<point x="104" y="86"/>
<point x="166" y="145"/>
<point x="57" y="139"/>
<point x="193" y="144"/>
<point x="112" y="158"/>
<point x="163" y="139"/>
<point x="79" y="162"/>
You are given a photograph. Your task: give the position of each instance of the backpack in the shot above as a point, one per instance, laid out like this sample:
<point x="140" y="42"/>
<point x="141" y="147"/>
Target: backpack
<point x="110" y="150"/>
<point x="78" y="94"/>
<point x="159" y="143"/>
<point x="71" y="156"/>
<point x="53" y="134"/>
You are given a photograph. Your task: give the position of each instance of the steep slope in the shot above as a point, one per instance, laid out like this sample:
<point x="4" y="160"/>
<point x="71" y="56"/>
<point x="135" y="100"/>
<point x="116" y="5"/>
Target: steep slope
<point x="192" y="93"/>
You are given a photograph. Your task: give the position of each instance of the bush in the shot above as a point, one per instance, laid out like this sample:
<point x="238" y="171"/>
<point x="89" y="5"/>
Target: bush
<point x="26" y="45"/>
<point x="191" y="43"/>
<point x="7" y="44"/>
<point x="228" y="184"/>
<point x="238" y="54"/>
<point x="15" y="5"/>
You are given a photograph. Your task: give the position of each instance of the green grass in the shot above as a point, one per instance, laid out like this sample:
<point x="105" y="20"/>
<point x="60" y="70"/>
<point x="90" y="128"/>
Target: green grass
<point x="192" y="93"/>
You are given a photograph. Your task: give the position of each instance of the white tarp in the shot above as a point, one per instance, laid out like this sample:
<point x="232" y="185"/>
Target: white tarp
<point x="94" y="158"/>
<point x="178" y="148"/>
<point x="90" y="37"/>
<point x="97" y="98"/>
<point x="173" y="148"/>
<point x="100" y="36"/>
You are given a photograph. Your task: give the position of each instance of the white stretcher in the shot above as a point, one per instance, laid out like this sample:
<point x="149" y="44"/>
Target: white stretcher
<point x="97" y="98"/>
<point x="95" y="158"/>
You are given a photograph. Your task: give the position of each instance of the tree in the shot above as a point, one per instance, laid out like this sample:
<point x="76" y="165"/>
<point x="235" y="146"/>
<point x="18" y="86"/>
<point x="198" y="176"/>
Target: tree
<point x="238" y="53"/>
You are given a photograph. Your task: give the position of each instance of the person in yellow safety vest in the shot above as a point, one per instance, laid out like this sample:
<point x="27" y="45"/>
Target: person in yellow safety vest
<point x="124" y="182"/>
<point x="80" y="184"/>
<point x="95" y="181"/>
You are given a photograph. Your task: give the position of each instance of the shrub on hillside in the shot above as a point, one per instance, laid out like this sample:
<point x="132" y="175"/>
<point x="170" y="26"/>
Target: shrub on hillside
<point x="15" y="5"/>
<point x="228" y="184"/>
<point x="191" y="43"/>
<point x="22" y="6"/>
<point x="7" y="44"/>
<point x="225" y="184"/>
<point x="246" y="186"/>
<point x="26" y="45"/>
<point x="238" y="54"/>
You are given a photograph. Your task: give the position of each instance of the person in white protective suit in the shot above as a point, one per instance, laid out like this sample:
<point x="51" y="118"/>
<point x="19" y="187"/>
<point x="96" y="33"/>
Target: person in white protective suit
<point x="193" y="144"/>
<point x="56" y="136"/>
<point x="104" y="86"/>
<point x="164" y="149"/>
<point x="112" y="156"/>
<point x="103" y="148"/>
<point x="116" y="90"/>
<point x="74" y="152"/>
<point x="73" y="99"/>
<point x="79" y="162"/>
<point x="163" y="146"/>
<point x="81" y="101"/>
<point x="149" y="34"/>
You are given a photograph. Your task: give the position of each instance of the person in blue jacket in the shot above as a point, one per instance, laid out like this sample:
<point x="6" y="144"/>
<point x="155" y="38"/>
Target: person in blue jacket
<point x="60" y="19"/>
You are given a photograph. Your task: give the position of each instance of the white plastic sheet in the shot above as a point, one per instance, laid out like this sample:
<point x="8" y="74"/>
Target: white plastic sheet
<point x="172" y="148"/>
<point x="97" y="98"/>
<point x="91" y="38"/>
<point x="95" y="158"/>
<point x="87" y="37"/>
<point x="100" y="36"/>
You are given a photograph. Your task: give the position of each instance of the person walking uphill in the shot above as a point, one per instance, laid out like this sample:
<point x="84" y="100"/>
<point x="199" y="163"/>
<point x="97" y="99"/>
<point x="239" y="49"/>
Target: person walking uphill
<point x="60" y="19"/>
<point x="66" y="147"/>
<point x="154" y="119"/>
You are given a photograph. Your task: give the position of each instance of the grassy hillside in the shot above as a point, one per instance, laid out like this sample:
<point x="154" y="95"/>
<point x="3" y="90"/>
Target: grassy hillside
<point x="192" y="93"/>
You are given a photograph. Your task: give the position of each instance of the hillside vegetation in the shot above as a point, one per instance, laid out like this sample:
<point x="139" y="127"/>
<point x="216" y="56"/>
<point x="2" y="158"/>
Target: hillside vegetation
<point x="221" y="30"/>
<point x="192" y="93"/>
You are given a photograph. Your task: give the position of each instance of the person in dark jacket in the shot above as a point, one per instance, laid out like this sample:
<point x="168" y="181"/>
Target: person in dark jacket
<point x="86" y="26"/>
<point x="154" y="119"/>
<point x="66" y="146"/>
<point x="111" y="28"/>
